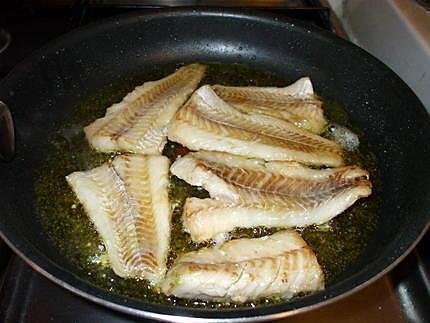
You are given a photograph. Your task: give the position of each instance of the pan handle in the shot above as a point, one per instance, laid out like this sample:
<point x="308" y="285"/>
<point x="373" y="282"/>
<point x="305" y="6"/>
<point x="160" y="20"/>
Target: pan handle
<point x="7" y="134"/>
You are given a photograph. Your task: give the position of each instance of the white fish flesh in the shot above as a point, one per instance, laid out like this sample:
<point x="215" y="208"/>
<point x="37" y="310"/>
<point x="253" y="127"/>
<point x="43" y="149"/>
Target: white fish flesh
<point x="139" y="122"/>
<point x="206" y="122"/>
<point x="127" y="200"/>
<point x="279" y="265"/>
<point x="247" y="193"/>
<point x="295" y="103"/>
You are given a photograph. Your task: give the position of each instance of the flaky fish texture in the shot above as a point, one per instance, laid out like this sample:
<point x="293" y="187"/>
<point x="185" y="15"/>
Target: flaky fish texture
<point x="127" y="200"/>
<point x="295" y="103"/>
<point x="279" y="265"/>
<point x="206" y="122"/>
<point x="247" y="193"/>
<point x="139" y="122"/>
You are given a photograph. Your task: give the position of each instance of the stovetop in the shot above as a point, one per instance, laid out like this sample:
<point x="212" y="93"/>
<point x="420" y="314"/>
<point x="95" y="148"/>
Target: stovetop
<point x="26" y="296"/>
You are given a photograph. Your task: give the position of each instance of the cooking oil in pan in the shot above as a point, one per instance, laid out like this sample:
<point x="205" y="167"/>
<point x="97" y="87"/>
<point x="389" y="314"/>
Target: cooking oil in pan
<point x="337" y="245"/>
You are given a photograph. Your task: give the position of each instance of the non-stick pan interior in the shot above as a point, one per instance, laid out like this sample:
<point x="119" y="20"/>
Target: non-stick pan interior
<point x="43" y="90"/>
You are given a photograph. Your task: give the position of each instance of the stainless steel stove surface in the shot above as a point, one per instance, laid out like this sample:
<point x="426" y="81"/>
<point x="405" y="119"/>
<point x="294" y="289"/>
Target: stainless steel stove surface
<point x="26" y="296"/>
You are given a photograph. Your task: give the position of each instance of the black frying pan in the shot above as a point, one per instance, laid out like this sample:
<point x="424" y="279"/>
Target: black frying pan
<point x="41" y="91"/>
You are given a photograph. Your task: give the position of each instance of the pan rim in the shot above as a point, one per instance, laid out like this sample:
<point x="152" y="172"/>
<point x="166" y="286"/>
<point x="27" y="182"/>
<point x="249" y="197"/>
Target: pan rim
<point x="38" y="261"/>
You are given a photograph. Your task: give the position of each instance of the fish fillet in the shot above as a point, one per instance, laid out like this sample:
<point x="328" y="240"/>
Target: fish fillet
<point x="208" y="123"/>
<point x="278" y="265"/>
<point x="248" y="193"/>
<point x="295" y="103"/>
<point x="139" y="122"/>
<point x="127" y="200"/>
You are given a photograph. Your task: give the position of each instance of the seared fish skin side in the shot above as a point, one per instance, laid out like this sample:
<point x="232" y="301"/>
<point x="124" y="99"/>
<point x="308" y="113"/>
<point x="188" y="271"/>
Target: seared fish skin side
<point x="295" y="103"/>
<point x="206" y="122"/>
<point x="248" y="193"/>
<point x="139" y="122"/>
<point x="278" y="265"/>
<point x="127" y="200"/>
